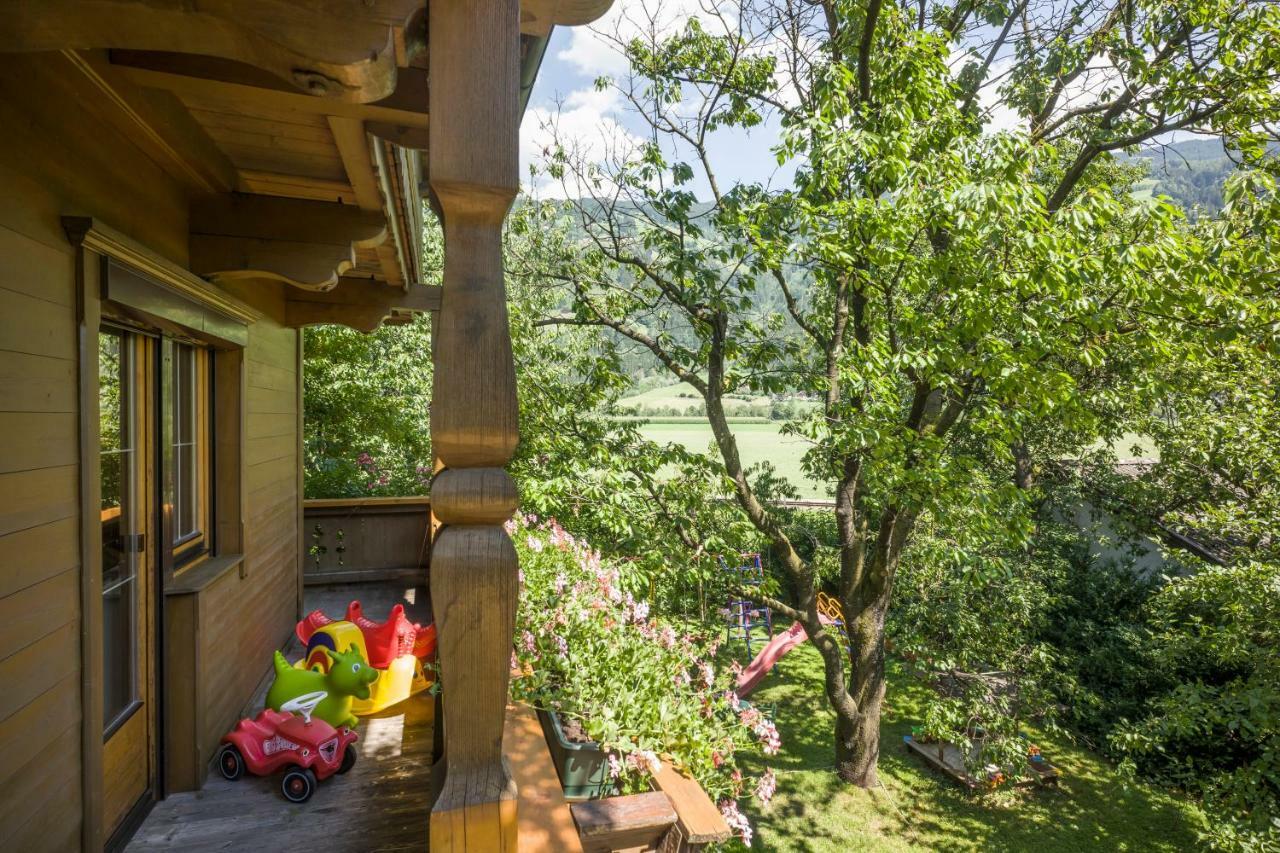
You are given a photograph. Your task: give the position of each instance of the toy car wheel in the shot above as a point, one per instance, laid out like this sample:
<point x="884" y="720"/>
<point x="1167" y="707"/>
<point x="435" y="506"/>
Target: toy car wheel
<point x="298" y="784"/>
<point x="348" y="759"/>
<point x="231" y="762"/>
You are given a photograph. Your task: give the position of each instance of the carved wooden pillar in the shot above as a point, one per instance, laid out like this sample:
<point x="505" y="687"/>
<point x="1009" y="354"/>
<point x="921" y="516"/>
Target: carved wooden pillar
<point x="474" y="74"/>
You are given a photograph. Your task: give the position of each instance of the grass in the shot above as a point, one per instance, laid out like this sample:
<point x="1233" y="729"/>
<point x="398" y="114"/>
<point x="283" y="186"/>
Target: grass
<point x="758" y="441"/>
<point x="916" y="810"/>
<point x="665" y="395"/>
<point x="761" y="440"/>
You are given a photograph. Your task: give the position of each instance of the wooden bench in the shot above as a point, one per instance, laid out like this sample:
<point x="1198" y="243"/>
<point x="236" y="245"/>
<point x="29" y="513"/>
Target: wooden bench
<point x="677" y="816"/>
<point x="946" y="757"/>
<point x="634" y="822"/>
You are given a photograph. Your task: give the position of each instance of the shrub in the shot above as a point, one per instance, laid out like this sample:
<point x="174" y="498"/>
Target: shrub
<point x="642" y="688"/>
<point x="1217" y="732"/>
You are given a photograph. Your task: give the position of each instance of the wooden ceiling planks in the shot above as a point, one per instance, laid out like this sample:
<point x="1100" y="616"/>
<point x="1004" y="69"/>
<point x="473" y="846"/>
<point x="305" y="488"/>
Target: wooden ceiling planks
<point x="343" y="51"/>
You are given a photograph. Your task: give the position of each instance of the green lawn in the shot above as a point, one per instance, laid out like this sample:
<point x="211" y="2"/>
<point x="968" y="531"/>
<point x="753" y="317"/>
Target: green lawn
<point x="916" y="810"/>
<point x="757" y="441"/>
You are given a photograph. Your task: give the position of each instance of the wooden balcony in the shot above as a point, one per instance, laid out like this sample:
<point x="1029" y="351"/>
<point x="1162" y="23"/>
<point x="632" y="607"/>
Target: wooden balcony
<point x="385" y="802"/>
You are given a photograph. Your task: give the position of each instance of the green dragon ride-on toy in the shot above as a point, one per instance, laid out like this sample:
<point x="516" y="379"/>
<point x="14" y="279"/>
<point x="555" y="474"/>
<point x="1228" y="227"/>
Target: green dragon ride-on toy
<point x="348" y="678"/>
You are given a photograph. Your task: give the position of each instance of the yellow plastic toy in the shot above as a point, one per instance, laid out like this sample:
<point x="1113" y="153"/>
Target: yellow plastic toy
<point x="402" y="679"/>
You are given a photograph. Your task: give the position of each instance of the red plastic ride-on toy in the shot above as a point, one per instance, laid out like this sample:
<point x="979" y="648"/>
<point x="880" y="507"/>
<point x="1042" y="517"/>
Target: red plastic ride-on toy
<point x="308" y="749"/>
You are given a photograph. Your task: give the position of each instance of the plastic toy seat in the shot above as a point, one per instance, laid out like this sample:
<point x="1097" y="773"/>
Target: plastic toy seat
<point x="401" y="678"/>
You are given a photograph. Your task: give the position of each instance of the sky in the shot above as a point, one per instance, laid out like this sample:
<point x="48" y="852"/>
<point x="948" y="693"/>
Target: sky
<point x="565" y="92"/>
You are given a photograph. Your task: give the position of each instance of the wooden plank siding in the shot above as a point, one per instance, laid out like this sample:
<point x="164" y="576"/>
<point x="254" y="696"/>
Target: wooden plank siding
<point x="40" y="711"/>
<point x="61" y="156"/>
<point x="242" y="616"/>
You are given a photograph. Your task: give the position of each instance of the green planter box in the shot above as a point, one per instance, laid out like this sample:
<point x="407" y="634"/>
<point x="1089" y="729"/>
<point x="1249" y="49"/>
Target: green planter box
<point x="583" y="767"/>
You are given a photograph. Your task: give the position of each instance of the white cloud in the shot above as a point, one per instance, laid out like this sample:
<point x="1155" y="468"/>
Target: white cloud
<point x="587" y="119"/>
<point x="593" y="50"/>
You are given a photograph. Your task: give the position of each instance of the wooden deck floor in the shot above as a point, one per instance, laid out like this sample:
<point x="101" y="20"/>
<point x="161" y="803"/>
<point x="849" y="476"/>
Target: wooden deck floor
<point x="381" y="805"/>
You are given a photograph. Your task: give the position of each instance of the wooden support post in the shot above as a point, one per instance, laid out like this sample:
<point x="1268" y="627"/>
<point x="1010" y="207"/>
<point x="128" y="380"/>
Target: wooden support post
<point x="475" y="81"/>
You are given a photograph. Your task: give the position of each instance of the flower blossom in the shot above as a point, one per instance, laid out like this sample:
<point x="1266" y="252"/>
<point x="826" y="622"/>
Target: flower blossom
<point x="534" y="543"/>
<point x="770" y="740"/>
<point x="528" y="642"/>
<point x="766" y="786"/>
<point x="645" y="761"/>
<point x="708" y="675"/>
<point x="560" y="584"/>
<point x="562" y="645"/>
<point x="615" y="766"/>
<point x="637" y="611"/>
<point x="737" y="820"/>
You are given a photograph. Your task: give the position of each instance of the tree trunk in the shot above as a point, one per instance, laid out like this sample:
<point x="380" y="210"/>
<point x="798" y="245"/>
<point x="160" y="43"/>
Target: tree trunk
<point x="858" y="737"/>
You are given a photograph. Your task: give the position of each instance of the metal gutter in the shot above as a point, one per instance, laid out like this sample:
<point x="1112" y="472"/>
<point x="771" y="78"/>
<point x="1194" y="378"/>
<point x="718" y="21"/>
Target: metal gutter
<point x="393" y="211"/>
<point x="530" y="65"/>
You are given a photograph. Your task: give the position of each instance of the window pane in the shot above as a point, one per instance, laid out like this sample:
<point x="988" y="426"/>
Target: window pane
<point x="109" y="390"/>
<point x="187" y="477"/>
<point x="119" y="522"/>
<point x="183" y="392"/>
<point x="116" y="462"/>
<point x="117" y="650"/>
<point x="186" y="451"/>
<point x="115" y="552"/>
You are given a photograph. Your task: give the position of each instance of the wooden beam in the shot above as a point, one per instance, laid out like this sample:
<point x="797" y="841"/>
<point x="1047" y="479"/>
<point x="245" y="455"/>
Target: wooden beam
<point x="474" y="57"/>
<point x="353" y="147"/>
<point x="272" y="218"/>
<point x="307" y="244"/>
<point x="309" y="266"/>
<point x="537" y="17"/>
<point x="338" y="50"/>
<point x="698" y="819"/>
<point x="211" y="80"/>
<point x="160" y="125"/>
<point x="295" y="186"/>
<point x="361" y="304"/>
<point x="404" y="135"/>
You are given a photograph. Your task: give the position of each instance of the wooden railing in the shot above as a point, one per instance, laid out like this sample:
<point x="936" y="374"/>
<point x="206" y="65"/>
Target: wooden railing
<point x="366" y="539"/>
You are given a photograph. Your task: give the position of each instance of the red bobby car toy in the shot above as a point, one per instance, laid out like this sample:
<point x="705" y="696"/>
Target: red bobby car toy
<point x="310" y="749"/>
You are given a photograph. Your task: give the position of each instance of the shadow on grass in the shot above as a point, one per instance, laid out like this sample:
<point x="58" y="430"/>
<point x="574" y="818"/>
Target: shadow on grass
<point x="917" y="809"/>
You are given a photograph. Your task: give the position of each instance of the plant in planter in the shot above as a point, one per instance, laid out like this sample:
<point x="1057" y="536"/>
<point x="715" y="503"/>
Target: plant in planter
<point x="614" y="675"/>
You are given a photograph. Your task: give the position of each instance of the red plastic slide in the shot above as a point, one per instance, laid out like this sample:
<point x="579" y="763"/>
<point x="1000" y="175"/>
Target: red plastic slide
<point x="772" y="652"/>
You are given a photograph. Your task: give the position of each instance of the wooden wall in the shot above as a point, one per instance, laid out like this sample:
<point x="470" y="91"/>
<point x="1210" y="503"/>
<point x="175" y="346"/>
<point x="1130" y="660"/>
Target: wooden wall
<point x="56" y="158"/>
<point x="60" y="155"/>
<point x="247" y="615"/>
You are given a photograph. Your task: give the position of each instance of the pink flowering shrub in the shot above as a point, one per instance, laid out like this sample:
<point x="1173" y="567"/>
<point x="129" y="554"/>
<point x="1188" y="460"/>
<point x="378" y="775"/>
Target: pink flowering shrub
<point x="643" y="689"/>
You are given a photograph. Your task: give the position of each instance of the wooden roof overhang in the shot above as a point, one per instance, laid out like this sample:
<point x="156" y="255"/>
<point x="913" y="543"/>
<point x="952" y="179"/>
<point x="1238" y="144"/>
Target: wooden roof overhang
<point x="298" y="128"/>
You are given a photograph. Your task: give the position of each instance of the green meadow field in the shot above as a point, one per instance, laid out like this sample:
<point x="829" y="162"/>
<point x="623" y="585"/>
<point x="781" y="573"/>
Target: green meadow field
<point x="758" y="441"/>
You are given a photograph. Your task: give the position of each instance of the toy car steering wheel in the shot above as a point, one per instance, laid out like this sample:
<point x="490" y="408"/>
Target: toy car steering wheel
<point x="305" y="704"/>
